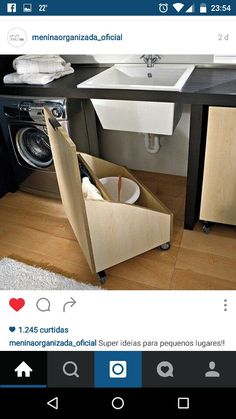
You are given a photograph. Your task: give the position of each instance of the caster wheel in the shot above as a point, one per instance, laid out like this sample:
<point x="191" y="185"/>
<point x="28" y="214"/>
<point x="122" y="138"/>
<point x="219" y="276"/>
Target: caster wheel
<point x="102" y="277"/>
<point x="102" y="280"/>
<point x="206" y="227"/>
<point x="165" y="246"/>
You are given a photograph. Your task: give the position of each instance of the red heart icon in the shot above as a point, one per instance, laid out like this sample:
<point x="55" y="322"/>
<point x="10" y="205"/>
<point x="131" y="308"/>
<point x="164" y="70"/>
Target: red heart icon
<point x="17" y="303"/>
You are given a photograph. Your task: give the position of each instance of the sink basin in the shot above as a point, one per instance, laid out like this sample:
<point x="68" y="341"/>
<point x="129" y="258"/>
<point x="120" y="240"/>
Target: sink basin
<point x="146" y="117"/>
<point x="134" y="115"/>
<point x="140" y="77"/>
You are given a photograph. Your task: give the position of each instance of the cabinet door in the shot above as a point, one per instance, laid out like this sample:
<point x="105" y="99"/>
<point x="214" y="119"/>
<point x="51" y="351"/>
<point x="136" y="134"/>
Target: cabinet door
<point x="218" y="201"/>
<point x="68" y="176"/>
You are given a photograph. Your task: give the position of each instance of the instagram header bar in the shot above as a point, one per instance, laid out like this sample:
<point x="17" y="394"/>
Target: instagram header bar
<point x="102" y="35"/>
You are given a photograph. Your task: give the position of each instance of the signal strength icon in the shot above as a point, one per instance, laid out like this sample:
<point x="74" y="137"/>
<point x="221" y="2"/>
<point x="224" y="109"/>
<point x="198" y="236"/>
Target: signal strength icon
<point x="178" y="6"/>
<point x="191" y="9"/>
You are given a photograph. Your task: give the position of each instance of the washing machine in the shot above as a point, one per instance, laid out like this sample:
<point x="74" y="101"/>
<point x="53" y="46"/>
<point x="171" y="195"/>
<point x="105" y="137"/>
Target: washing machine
<point x="28" y="142"/>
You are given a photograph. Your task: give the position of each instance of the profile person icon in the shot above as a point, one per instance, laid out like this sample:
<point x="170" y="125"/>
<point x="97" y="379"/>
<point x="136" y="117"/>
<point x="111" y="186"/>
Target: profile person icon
<point x="212" y="372"/>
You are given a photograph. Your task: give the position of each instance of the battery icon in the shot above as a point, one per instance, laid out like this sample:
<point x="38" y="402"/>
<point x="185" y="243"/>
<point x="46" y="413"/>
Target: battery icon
<point x="203" y="8"/>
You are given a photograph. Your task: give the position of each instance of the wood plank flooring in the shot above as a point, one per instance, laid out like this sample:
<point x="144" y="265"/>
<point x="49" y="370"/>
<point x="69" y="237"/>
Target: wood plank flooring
<point x="35" y="230"/>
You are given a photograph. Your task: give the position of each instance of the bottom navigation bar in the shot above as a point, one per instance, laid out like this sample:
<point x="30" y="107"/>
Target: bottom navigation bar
<point x="118" y="369"/>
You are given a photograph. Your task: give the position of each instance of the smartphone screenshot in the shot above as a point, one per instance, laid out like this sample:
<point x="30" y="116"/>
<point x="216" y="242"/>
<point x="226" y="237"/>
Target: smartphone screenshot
<point x="117" y="208"/>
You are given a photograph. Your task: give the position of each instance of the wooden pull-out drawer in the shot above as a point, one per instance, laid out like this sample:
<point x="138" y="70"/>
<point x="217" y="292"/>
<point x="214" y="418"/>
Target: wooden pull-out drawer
<point x="108" y="232"/>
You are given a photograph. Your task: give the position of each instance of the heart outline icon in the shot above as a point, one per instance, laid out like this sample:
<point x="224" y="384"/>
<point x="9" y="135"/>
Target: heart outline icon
<point x="17" y="303"/>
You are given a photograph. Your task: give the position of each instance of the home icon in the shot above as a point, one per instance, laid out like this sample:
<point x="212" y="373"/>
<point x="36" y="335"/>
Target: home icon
<point x="23" y="368"/>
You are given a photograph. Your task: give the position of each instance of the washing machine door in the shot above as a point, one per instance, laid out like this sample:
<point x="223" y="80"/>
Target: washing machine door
<point x="34" y="148"/>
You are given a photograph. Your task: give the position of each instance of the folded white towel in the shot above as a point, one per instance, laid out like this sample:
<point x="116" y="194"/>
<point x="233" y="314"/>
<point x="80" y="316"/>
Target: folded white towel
<point x="36" y="78"/>
<point x="29" y="64"/>
<point x="90" y="191"/>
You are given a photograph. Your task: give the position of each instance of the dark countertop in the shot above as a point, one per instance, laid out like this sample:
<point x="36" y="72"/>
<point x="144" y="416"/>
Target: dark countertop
<point x="207" y="86"/>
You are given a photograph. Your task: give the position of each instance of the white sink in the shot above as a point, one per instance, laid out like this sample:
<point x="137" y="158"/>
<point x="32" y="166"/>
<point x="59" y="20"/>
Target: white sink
<point x="140" y="77"/>
<point x="134" y="115"/>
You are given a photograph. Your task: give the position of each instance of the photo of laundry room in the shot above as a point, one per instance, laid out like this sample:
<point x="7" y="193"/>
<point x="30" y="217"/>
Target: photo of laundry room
<point x="117" y="172"/>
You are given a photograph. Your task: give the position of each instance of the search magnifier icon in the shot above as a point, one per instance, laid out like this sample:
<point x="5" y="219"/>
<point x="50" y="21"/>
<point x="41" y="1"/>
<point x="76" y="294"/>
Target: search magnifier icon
<point x="43" y="304"/>
<point x="70" y="369"/>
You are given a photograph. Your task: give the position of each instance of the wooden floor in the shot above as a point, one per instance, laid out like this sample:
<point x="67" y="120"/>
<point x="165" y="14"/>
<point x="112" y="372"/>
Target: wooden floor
<point x="35" y="230"/>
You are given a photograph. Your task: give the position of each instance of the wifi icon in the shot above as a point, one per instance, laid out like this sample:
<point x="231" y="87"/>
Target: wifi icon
<point x="178" y="6"/>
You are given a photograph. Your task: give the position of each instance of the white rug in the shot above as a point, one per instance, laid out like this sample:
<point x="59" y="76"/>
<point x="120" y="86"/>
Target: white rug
<point x="19" y="276"/>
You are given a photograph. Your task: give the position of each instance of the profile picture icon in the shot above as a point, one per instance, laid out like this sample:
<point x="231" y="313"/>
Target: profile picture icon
<point x="212" y="373"/>
<point x="16" y="37"/>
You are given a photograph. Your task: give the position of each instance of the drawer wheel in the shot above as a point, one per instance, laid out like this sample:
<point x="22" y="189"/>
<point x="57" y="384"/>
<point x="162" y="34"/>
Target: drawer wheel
<point x="165" y="246"/>
<point x="207" y="227"/>
<point x="102" y="277"/>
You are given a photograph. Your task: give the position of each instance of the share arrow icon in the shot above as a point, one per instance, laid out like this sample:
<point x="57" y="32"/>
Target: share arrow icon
<point x="70" y="303"/>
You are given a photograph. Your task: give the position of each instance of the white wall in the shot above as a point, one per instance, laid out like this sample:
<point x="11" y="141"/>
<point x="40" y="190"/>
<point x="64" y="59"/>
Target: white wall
<point x="128" y="148"/>
<point x="125" y="58"/>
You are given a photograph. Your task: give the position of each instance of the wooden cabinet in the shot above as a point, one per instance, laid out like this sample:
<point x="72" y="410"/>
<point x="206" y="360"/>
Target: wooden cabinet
<point x="108" y="232"/>
<point x="218" y="201"/>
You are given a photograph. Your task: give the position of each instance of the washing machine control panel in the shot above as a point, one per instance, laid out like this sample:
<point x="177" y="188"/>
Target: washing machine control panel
<point x="33" y="110"/>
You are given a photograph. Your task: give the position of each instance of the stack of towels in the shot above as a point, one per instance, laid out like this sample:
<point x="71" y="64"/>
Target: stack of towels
<point x="38" y="69"/>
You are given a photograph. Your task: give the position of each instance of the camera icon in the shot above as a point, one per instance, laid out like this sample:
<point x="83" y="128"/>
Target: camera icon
<point x="117" y="369"/>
